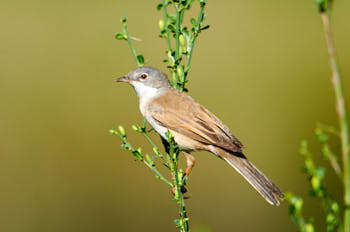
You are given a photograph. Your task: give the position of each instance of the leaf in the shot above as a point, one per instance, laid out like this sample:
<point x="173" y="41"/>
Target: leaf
<point x="194" y="22"/>
<point x="205" y="27"/>
<point x="123" y="20"/>
<point x="159" y="6"/>
<point x="137" y="154"/>
<point x="140" y="59"/>
<point x="177" y="223"/>
<point x="120" y="36"/>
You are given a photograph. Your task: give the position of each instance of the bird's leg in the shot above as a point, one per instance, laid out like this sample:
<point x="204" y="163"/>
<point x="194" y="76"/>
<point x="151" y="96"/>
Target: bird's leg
<point x="190" y="160"/>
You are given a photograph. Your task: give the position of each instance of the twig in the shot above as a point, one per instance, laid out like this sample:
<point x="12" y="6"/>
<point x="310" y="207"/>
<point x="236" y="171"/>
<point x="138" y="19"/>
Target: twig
<point x="200" y="21"/>
<point x="139" y="58"/>
<point x="165" y="17"/>
<point x="340" y="105"/>
<point x="121" y="134"/>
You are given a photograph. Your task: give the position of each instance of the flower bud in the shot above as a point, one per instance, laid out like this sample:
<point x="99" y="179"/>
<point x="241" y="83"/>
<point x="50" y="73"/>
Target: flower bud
<point x="161" y="24"/>
<point x="121" y="131"/>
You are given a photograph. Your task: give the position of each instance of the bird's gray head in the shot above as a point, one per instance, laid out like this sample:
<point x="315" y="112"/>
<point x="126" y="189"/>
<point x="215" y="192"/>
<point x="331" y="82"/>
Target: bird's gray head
<point x="146" y="76"/>
<point x="148" y="82"/>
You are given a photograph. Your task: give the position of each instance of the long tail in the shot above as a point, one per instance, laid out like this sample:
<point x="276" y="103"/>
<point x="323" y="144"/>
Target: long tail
<point x="259" y="181"/>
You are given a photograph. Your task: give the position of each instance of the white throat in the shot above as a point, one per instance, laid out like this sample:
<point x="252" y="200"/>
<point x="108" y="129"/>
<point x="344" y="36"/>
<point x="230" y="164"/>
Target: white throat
<point x="144" y="92"/>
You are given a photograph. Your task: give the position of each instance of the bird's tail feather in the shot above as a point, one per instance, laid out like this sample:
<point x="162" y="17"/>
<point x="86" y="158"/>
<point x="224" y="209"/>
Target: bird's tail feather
<point x="257" y="179"/>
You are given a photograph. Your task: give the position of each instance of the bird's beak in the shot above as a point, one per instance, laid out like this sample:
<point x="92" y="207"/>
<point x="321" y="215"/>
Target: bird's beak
<point x="123" y="79"/>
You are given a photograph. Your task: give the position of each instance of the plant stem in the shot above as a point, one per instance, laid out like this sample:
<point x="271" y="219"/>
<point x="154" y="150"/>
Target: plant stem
<point x="184" y="225"/>
<point x="177" y="33"/>
<point x="181" y="201"/>
<point x="156" y="172"/>
<point x="128" y="38"/>
<point x="199" y="20"/>
<point x="161" y="155"/>
<point x="340" y="103"/>
<point x="165" y="6"/>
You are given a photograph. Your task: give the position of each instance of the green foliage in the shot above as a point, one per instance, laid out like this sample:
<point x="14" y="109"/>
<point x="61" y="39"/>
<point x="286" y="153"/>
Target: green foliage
<point x="316" y="174"/>
<point x="324" y="5"/>
<point x="178" y="62"/>
<point x="295" y="210"/>
<point x="171" y="26"/>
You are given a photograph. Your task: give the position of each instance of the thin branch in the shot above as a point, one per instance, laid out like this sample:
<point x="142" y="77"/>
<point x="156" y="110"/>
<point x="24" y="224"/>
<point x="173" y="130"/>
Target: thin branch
<point x="129" y="39"/>
<point x="340" y="103"/>
<point x="200" y="21"/>
<point x="165" y="18"/>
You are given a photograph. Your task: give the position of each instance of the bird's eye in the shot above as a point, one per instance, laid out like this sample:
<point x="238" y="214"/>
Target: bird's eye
<point x="143" y="76"/>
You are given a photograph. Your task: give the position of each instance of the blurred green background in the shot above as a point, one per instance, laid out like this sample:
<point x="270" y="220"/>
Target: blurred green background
<point x="262" y="68"/>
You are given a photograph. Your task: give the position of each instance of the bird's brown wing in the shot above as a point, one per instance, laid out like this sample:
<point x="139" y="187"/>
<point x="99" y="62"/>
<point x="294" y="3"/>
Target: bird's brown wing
<point x="179" y="112"/>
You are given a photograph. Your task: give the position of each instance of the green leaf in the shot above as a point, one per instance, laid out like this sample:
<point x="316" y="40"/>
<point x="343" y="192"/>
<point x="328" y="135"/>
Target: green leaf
<point x="205" y="27"/>
<point x="137" y="154"/>
<point x="159" y="6"/>
<point x="120" y="36"/>
<point x="123" y="20"/>
<point x="140" y="59"/>
<point x="177" y="223"/>
<point x="194" y="22"/>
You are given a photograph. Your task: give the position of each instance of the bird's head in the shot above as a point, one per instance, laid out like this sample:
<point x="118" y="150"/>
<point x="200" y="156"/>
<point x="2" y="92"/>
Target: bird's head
<point x="147" y="81"/>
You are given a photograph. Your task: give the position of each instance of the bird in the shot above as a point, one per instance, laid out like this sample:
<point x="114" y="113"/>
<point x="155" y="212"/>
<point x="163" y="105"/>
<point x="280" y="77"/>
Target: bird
<point x="193" y="127"/>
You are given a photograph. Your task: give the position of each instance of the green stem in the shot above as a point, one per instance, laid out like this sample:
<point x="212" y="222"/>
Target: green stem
<point x="200" y="21"/>
<point x="128" y="38"/>
<point x="344" y="131"/>
<point x="179" y="196"/>
<point x="156" y="172"/>
<point x="177" y="33"/>
<point x="161" y="155"/>
<point x="165" y="6"/>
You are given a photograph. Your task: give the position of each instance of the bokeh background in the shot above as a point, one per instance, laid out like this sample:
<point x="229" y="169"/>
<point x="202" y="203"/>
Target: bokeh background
<point x="261" y="67"/>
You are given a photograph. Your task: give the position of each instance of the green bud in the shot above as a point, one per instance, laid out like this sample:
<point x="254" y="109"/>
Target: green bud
<point x="335" y="207"/>
<point x="180" y="72"/>
<point x="149" y="160"/>
<point x="182" y="40"/>
<point x="156" y="151"/>
<point x="298" y="203"/>
<point x="315" y="182"/>
<point x="309" y="227"/>
<point x="112" y="131"/>
<point x="161" y="24"/>
<point x="330" y="218"/>
<point x="121" y="131"/>
<point x="136" y="127"/>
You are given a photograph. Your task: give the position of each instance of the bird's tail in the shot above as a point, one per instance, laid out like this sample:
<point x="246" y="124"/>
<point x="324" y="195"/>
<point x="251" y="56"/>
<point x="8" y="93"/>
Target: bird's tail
<point x="259" y="181"/>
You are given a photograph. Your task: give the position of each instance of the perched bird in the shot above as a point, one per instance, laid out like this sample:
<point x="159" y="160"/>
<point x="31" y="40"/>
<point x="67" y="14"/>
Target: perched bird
<point x="193" y="127"/>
